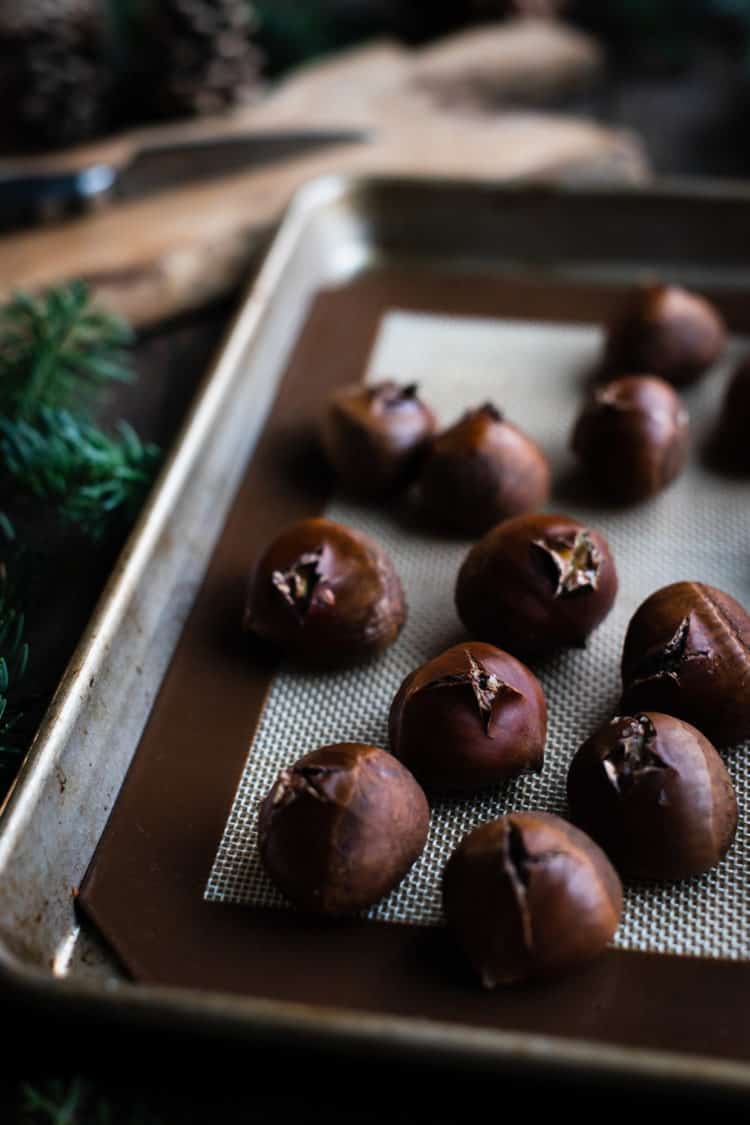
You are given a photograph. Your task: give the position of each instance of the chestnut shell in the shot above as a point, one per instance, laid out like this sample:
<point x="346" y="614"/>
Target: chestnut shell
<point x="654" y="793"/>
<point x="374" y="436"/>
<point x="341" y="827"/>
<point x="325" y="594"/>
<point x="536" y="583"/>
<point x="472" y="716"/>
<point x="530" y="896"/>
<point x="666" y="331"/>
<point x="687" y="654"/>
<point x="731" y="445"/>
<point x="632" y="437"/>
<point x="481" y="470"/>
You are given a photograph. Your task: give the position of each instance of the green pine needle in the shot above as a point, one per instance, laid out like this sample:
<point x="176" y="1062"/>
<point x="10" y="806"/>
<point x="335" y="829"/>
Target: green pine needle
<point x="56" y="1102"/>
<point x="56" y="350"/>
<point x="80" y="1102"/>
<point x="14" y="651"/>
<point x="88" y="475"/>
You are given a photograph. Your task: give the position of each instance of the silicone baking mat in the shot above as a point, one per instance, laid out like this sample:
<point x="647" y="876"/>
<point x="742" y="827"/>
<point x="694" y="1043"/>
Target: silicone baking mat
<point x="698" y="529"/>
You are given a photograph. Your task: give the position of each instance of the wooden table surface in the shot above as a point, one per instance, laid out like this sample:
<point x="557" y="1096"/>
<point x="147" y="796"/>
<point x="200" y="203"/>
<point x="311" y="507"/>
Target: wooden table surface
<point x="460" y="107"/>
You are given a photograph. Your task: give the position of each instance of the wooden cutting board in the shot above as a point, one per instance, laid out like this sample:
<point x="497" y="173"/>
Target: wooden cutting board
<point x="449" y="109"/>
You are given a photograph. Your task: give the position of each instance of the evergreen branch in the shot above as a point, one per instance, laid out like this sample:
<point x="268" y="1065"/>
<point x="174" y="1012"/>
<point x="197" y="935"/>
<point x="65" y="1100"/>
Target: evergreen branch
<point x="56" y="350"/>
<point x="57" y="1102"/>
<point x="14" y="651"/>
<point x="88" y="475"/>
<point x="78" y="1101"/>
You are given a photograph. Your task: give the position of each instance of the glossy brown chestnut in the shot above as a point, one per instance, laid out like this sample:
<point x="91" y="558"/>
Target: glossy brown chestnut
<point x="341" y="827"/>
<point x="535" y="584"/>
<point x="472" y="716"/>
<point x="667" y="331"/>
<point x="687" y="653"/>
<point x="374" y="436"/>
<point x="632" y="437"/>
<point x="325" y="594"/>
<point x="530" y="896"/>
<point x="732" y="438"/>
<point x="480" y="471"/>
<point x="654" y="793"/>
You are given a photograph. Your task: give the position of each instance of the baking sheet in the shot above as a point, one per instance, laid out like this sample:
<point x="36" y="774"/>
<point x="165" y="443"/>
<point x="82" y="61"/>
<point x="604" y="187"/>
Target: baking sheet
<point x="536" y="372"/>
<point x="347" y="255"/>
<point x="145" y="889"/>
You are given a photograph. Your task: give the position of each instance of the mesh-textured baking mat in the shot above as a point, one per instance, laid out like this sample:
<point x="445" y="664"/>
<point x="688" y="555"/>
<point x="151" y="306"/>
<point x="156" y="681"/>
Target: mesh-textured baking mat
<point x="698" y="529"/>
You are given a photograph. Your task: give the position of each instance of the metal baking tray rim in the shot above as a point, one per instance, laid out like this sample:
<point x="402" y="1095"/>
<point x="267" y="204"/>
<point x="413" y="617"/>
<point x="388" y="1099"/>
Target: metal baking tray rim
<point x="143" y="539"/>
<point x="359" y="1032"/>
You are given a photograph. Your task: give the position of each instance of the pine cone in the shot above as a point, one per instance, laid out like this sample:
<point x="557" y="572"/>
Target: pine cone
<point x="53" y="72"/>
<point x="201" y="57"/>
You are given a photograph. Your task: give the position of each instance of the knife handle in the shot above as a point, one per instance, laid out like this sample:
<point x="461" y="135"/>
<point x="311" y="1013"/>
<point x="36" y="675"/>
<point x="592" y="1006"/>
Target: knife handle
<point x="52" y="195"/>
<point x="50" y="186"/>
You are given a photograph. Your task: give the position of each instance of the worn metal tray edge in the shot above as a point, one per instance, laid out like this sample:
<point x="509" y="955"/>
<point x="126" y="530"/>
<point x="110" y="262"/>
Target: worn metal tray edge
<point x="92" y="722"/>
<point x="143" y="538"/>
<point x="360" y="1033"/>
<point x="240" y="1016"/>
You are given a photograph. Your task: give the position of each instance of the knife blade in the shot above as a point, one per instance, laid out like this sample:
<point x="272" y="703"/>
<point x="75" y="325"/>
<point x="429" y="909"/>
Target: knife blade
<point x="28" y="198"/>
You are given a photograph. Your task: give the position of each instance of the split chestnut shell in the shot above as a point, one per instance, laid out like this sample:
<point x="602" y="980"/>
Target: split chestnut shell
<point x="687" y="653"/>
<point x="482" y="470"/>
<point x="472" y="716"/>
<point x="326" y="595"/>
<point x="632" y="437"/>
<point x="341" y="827"/>
<point x="731" y="445"/>
<point x="530" y="896"/>
<point x="374" y="436"/>
<point x="536" y="583"/>
<point x="654" y="793"/>
<point x="666" y="331"/>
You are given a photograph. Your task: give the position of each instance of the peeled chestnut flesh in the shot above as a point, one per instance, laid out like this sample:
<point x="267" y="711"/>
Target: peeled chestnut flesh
<point x="325" y="595"/>
<point x="687" y="653"/>
<point x="472" y="716"/>
<point x="632" y="437"/>
<point x="480" y="471"/>
<point x="667" y="331"/>
<point x="530" y="896"/>
<point x="732" y="438"/>
<point x="535" y="584"/>
<point x="374" y="436"/>
<point x="654" y="793"/>
<point x="341" y="827"/>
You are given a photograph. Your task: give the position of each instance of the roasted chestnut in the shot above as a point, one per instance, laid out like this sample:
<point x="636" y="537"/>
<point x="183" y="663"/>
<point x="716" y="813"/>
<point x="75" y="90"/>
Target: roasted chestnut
<point x="471" y="716"/>
<point x="341" y="827"/>
<point x="632" y="437"/>
<point x="666" y="331"/>
<point x="480" y="471"/>
<point x="687" y="653"/>
<point x="535" y="584"/>
<point x="375" y="435"/>
<point x="325" y="594"/>
<point x="731" y="444"/>
<point x="654" y="793"/>
<point x="530" y="896"/>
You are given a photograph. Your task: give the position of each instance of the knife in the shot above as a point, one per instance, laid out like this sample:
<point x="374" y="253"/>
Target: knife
<point x="31" y="196"/>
